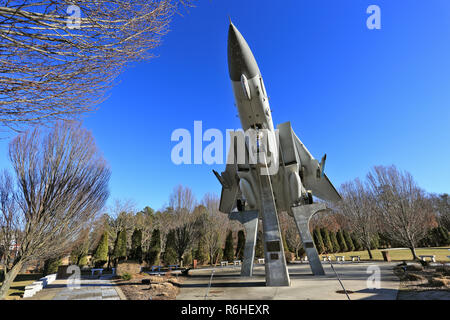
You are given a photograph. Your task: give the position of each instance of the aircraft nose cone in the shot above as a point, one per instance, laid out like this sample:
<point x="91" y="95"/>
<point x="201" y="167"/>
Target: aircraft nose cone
<point x="240" y="57"/>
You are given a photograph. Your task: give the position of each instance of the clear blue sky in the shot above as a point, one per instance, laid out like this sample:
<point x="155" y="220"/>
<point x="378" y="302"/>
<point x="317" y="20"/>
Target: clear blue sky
<point x="364" y="97"/>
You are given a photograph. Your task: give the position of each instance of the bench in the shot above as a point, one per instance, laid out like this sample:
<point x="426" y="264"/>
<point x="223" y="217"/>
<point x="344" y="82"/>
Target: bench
<point x="175" y="266"/>
<point x="261" y="261"/>
<point x="357" y="258"/>
<point x="340" y="258"/>
<point x="224" y="263"/>
<point x="326" y="258"/>
<point x="100" y="271"/>
<point x="156" y="267"/>
<point x="432" y="258"/>
<point x="237" y="262"/>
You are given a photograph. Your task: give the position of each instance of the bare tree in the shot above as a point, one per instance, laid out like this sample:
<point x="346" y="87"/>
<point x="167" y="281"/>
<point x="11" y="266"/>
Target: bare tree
<point x="357" y="206"/>
<point x="215" y="225"/>
<point x="405" y="212"/>
<point x="10" y="230"/>
<point x="62" y="182"/>
<point x="182" y="199"/>
<point x="58" y="58"/>
<point x="441" y="205"/>
<point x="289" y="228"/>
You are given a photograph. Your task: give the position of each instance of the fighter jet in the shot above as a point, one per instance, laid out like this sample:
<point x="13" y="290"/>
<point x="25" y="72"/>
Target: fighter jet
<point x="299" y="176"/>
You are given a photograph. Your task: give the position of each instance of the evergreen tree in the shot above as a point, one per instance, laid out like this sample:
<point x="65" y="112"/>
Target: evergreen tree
<point x="356" y="242"/>
<point x="201" y="255"/>
<point x="375" y="242"/>
<point x="349" y="241"/>
<point x="101" y="253"/>
<point x="326" y="240"/>
<point x="136" y="245"/>
<point x="154" y="250"/>
<point x="51" y="266"/>
<point x="228" y="252"/>
<point x="335" y="243"/>
<point x="341" y="241"/>
<point x="170" y="253"/>
<point x="444" y="236"/>
<point x="240" y="245"/>
<point x="120" y="247"/>
<point x="318" y="241"/>
<point x="259" y="249"/>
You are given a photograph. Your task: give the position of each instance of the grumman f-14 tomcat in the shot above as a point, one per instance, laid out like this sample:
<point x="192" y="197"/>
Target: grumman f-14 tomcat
<point x="249" y="192"/>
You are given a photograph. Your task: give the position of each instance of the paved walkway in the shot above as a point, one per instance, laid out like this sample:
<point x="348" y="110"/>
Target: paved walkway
<point x="227" y="284"/>
<point x="89" y="289"/>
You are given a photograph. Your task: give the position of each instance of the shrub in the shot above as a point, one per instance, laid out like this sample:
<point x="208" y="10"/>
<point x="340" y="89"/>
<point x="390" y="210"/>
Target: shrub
<point x="101" y="253"/>
<point x="126" y="276"/>
<point x="120" y="247"/>
<point x="228" y="252"/>
<point x="136" y="245"/>
<point x="318" y="241"/>
<point x="201" y="255"/>
<point x="349" y="241"/>
<point x="152" y="256"/>
<point x="187" y="259"/>
<point x="341" y="241"/>
<point x="51" y="266"/>
<point x="336" y="246"/>
<point x="325" y="233"/>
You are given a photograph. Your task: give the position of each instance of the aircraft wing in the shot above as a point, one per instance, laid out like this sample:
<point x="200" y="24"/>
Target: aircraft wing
<point x="230" y="185"/>
<point x="230" y="188"/>
<point x="320" y="185"/>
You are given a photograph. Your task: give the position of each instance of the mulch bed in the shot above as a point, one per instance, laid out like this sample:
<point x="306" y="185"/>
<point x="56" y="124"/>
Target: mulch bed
<point x="155" y="287"/>
<point x="419" y="279"/>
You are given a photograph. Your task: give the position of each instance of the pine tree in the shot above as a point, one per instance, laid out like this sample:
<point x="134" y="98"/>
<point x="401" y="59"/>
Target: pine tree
<point x="326" y="240"/>
<point x="120" y="247"/>
<point x="318" y="241"/>
<point x="228" y="252"/>
<point x="349" y="241"/>
<point x="375" y="242"/>
<point x="335" y="243"/>
<point x="341" y="241"/>
<point x="154" y="250"/>
<point x="444" y="236"/>
<point x="240" y="245"/>
<point x="201" y="255"/>
<point x="170" y="253"/>
<point x="101" y="253"/>
<point x="259" y="249"/>
<point x="51" y="266"/>
<point x="356" y="242"/>
<point x="136" y="245"/>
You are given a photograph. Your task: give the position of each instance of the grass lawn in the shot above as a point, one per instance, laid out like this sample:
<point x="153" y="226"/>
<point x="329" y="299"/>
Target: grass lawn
<point x="18" y="286"/>
<point x="441" y="254"/>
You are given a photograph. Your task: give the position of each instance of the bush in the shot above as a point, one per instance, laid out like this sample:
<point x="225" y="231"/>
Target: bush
<point x="126" y="276"/>
<point x="187" y="259"/>
<point x="335" y="243"/>
<point x="101" y="253"/>
<point x="328" y="245"/>
<point x="318" y="241"/>
<point x="228" y="252"/>
<point x="349" y="241"/>
<point x="341" y="241"/>
<point x="51" y="266"/>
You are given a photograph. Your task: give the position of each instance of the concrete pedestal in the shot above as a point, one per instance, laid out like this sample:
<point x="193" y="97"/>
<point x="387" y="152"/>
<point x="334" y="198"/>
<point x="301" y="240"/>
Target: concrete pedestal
<point x="275" y="262"/>
<point x="302" y="215"/>
<point x="250" y="221"/>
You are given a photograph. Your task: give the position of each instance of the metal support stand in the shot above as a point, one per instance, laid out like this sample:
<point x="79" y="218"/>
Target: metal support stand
<point x="302" y="215"/>
<point x="250" y="221"/>
<point x="275" y="262"/>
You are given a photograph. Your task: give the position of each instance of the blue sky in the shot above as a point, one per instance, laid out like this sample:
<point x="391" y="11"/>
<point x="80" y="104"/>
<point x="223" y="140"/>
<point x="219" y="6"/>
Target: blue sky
<point x="364" y="97"/>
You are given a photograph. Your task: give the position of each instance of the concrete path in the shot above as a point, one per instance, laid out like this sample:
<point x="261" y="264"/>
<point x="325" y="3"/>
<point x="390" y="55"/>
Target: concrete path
<point x="227" y="283"/>
<point x="90" y="289"/>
